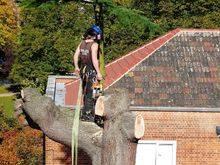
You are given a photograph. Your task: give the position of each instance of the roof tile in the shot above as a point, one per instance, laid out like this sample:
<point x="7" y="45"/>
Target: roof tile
<point x="124" y="64"/>
<point x="130" y="60"/>
<point x="110" y="73"/>
<point x="118" y="69"/>
<point x="180" y="73"/>
<point x="138" y="55"/>
<point x="136" y="59"/>
<point x="150" y="48"/>
<point x="144" y="52"/>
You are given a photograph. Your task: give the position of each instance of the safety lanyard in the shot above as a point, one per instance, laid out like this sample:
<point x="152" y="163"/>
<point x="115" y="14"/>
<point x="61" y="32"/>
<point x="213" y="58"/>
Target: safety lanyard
<point x="75" y="128"/>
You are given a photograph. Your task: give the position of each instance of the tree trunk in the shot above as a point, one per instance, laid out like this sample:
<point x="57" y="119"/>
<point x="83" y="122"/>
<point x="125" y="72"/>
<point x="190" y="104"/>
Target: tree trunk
<point x="115" y="144"/>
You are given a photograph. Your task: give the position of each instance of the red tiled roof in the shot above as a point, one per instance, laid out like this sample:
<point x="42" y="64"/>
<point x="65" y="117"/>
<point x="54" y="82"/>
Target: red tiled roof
<point x="63" y="80"/>
<point x="116" y="69"/>
<point x="71" y="93"/>
<point x="132" y="59"/>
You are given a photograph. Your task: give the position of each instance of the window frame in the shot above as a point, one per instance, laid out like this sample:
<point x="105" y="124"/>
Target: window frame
<point x="160" y="142"/>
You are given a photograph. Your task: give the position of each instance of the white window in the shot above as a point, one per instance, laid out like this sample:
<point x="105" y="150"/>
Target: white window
<point x="156" y="153"/>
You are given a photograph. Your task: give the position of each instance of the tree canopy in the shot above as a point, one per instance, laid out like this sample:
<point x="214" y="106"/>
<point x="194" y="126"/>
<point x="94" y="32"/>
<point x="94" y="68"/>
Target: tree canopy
<point x="8" y="34"/>
<point x="8" y="23"/>
<point x="51" y="30"/>
<point x="170" y="14"/>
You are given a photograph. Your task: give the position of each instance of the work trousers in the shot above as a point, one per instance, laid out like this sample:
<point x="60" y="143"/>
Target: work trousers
<point x="88" y="76"/>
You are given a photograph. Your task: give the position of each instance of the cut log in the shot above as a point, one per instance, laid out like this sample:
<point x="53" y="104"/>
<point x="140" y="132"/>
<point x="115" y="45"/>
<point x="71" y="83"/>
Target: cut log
<point x="139" y="127"/>
<point x="99" y="106"/>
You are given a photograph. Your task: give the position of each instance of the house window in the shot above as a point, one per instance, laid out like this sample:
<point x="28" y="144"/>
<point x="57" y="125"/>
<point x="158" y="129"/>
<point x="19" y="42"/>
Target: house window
<point x="156" y="153"/>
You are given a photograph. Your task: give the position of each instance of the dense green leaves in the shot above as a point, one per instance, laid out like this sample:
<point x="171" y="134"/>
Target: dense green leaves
<point x="8" y="34"/>
<point x="170" y="14"/>
<point x="51" y="30"/>
<point x="46" y="41"/>
<point x="8" y="23"/>
<point x="125" y="26"/>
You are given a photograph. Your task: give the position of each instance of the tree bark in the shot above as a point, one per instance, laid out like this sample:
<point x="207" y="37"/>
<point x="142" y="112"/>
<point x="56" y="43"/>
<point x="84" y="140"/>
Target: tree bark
<point x="119" y="143"/>
<point x="113" y="144"/>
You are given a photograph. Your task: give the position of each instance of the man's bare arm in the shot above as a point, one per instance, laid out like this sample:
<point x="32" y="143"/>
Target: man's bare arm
<point x="76" y="59"/>
<point x="95" y="60"/>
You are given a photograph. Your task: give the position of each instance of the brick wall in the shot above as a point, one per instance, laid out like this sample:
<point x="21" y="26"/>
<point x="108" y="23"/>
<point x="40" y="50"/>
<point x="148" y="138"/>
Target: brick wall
<point x="194" y="132"/>
<point x="58" y="154"/>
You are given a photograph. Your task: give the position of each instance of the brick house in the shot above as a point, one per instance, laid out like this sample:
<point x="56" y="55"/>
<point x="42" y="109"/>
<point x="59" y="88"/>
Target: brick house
<point x="174" y="82"/>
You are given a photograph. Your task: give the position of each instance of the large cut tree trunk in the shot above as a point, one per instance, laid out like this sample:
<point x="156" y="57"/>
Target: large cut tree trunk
<point x="115" y="144"/>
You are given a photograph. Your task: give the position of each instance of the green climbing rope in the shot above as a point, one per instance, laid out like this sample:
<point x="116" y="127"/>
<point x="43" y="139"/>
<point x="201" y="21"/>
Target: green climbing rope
<point x="102" y="67"/>
<point x="75" y="128"/>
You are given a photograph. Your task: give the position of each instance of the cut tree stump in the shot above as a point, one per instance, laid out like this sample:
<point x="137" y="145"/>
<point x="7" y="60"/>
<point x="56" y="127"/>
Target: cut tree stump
<point x="115" y="144"/>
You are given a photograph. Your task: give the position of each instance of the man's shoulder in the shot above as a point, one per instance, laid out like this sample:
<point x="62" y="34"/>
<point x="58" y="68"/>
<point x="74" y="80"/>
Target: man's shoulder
<point x="94" y="45"/>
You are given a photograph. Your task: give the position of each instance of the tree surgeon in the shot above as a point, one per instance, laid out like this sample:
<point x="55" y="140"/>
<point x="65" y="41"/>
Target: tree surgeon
<point x="86" y="61"/>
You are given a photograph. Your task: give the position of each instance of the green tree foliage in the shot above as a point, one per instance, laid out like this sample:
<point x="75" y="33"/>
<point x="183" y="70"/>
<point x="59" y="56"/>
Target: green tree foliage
<point x="8" y="34"/>
<point x="170" y="14"/>
<point x="123" y="2"/>
<point x="19" y="145"/>
<point x="49" y="34"/>
<point x="8" y="23"/>
<point x="50" y="31"/>
<point x="125" y="27"/>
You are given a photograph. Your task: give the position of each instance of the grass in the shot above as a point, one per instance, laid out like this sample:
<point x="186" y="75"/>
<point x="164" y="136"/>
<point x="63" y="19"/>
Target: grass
<point x="3" y="89"/>
<point x="8" y="105"/>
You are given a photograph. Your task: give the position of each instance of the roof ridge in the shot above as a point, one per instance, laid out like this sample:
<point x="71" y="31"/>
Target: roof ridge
<point x="175" y="31"/>
<point x="71" y="82"/>
<point x="198" y="30"/>
<point x="148" y="48"/>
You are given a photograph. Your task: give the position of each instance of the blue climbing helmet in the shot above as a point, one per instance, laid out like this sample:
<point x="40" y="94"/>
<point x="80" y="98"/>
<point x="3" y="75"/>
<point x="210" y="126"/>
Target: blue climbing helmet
<point x="96" y="28"/>
<point x="93" y="31"/>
